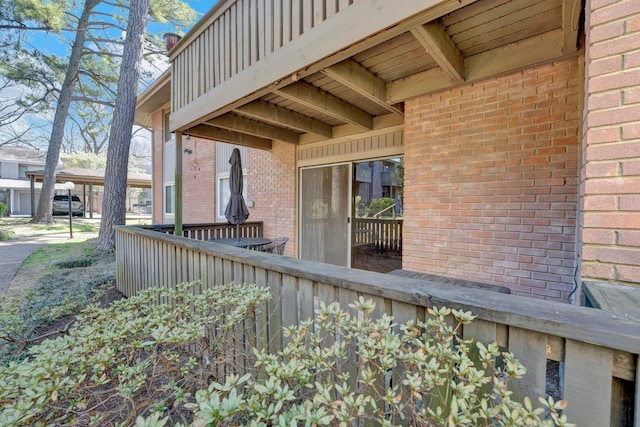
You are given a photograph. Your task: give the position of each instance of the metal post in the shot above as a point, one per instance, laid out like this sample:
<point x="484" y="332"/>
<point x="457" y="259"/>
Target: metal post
<point x="70" y="186"/>
<point x="70" y="216"/>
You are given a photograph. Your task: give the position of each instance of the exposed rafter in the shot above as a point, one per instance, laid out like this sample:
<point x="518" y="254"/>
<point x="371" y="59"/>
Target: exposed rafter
<point x="224" y="135"/>
<point x="439" y="45"/>
<point x="359" y="79"/>
<point x="312" y="97"/>
<point x="279" y="116"/>
<point x="240" y="124"/>
<point x="515" y="56"/>
<point x="570" y="24"/>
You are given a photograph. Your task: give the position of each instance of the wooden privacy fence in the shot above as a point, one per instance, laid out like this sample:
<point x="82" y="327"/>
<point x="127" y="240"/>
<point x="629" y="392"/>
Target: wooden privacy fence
<point x="220" y="230"/>
<point x="596" y="353"/>
<point x="384" y="235"/>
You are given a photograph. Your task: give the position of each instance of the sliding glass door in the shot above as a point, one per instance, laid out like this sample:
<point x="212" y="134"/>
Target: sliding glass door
<point x="325" y="213"/>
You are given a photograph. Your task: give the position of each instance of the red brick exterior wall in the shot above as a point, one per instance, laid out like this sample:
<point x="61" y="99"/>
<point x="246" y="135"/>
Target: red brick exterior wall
<point x="271" y="179"/>
<point x="491" y="181"/>
<point x="198" y="181"/>
<point x="610" y="186"/>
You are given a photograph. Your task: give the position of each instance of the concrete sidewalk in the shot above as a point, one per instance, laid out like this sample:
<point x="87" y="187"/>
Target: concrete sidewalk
<point x="14" y="252"/>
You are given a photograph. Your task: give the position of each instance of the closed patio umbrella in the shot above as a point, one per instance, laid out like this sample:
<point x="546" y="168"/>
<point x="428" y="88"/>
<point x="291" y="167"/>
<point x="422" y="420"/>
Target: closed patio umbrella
<point x="236" y="211"/>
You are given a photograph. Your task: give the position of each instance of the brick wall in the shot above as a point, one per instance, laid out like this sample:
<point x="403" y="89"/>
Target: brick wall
<point x="610" y="186"/>
<point x="198" y="181"/>
<point x="271" y="179"/>
<point x="491" y="181"/>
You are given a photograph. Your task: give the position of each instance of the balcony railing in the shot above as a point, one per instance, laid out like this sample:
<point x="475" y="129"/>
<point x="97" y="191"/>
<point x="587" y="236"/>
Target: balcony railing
<point x="381" y="234"/>
<point x="220" y="230"/>
<point x="595" y="353"/>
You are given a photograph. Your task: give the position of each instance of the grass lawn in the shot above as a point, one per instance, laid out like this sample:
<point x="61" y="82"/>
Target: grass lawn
<point x="16" y="228"/>
<point x="51" y="287"/>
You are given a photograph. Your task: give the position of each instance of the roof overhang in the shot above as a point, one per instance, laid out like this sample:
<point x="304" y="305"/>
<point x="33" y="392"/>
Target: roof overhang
<point x="153" y="99"/>
<point x="334" y="74"/>
<point x="89" y="176"/>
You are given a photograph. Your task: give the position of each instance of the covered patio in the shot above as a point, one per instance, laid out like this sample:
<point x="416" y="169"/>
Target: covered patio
<point x="511" y="176"/>
<point x="85" y="178"/>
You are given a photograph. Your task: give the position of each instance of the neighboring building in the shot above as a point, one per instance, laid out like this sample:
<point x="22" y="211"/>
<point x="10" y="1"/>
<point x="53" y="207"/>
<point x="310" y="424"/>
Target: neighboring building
<point x="517" y="122"/>
<point x="15" y="188"/>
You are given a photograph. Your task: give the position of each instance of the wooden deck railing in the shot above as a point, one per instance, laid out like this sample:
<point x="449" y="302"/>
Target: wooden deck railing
<point x="220" y="230"/>
<point x="383" y="234"/>
<point x="598" y="352"/>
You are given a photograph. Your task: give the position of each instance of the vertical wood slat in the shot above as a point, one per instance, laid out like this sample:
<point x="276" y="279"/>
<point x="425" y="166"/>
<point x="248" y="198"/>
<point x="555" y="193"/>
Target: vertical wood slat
<point x="305" y="299"/>
<point x="227" y="44"/>
<point x="195" y="61"/>
<point x="233" y="41"/>
<point x="245" y="40"/>
<point x="253" y="33"/>
<point x="530" y="348"/>
<point x="262" y="34"/>
<point x="289" y="303"/>
<point x="269" y="31"/>
<point x="588" y="393"/>
<point x="318" y="12"/>
<point x="296" y="18"/>
<point x="346" y="297"/>
<point x="286" y="21"/>
<point x="307" y="15"/>
<point x="277" y="25"/>
<point x="262" y="334"/>
<point x="274" y="281"/>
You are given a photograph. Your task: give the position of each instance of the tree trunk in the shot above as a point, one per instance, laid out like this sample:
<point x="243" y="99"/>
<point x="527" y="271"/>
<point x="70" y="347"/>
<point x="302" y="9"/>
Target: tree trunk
<point x="44" y="212"/>
<point x="115" y="177"/>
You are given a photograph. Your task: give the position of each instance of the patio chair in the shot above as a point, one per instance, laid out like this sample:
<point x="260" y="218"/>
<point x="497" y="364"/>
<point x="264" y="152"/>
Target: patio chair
<point x="277" y="246"/>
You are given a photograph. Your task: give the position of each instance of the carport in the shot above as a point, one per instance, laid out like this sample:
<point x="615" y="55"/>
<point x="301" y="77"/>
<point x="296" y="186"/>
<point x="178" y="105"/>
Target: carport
<point x="86" y="178"/>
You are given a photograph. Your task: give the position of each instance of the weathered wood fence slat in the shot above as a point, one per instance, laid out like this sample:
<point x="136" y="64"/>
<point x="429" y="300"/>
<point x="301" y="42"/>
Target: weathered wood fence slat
<point x="208" y="231"/>
<point x="598" y="352"/>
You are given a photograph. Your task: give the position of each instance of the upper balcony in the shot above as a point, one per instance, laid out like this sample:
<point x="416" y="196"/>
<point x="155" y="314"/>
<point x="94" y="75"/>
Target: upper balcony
<point x="300" y="71"/>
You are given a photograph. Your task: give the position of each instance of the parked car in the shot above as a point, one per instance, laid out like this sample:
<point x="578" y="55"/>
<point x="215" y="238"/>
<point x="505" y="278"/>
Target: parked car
<point x="61" y="205"/>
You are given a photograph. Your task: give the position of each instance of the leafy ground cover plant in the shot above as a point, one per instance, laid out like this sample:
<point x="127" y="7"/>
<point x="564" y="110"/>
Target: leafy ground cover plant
<point x="136" y="361"/>
<point x="421" y="375"/>
<point x="62" y="289"/>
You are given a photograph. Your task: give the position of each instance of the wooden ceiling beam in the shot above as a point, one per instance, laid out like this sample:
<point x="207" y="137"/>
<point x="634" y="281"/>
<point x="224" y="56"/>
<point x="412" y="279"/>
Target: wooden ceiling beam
<point x="439" y="45"/>
<point x="364" y="82"/>
<point x="515" y="56"/>
<point x="279" y="116"/>
<point x="238" y="123"/>
<point x="224" y="135"/>
<point x="317" y="99"/>
<point x="570" y="24"/>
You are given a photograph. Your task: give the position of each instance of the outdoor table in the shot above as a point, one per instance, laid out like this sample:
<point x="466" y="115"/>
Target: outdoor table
<point x="243" y="242"/>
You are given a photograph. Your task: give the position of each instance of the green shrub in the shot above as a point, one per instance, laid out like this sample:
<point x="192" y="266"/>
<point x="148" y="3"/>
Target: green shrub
<point x="133" y="362"/>
<point x="3" y="209"/>
<point x="7" y="235"/>
<point x="155" y="359"/>
<point x="380" y="204"/>
<point x="56" y="295"/>
<point x="75" y="262"/>
<point x="424" y="376"/>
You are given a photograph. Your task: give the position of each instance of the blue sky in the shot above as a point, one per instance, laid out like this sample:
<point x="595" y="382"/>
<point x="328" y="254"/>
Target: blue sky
<point x="51" y="44"/>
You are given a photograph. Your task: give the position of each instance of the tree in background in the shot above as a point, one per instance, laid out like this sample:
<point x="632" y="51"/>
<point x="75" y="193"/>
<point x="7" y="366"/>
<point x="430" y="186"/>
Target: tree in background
<point x="115" y="177"/>
<point x="75" y="85"/>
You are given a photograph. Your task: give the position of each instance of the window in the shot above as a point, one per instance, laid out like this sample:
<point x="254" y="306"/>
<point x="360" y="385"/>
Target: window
<point x="224" y="192"/>
<point x="169" y="198"/>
